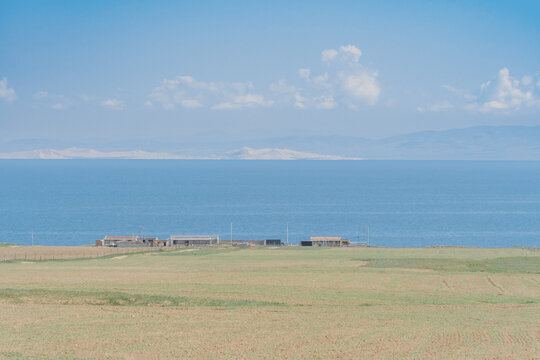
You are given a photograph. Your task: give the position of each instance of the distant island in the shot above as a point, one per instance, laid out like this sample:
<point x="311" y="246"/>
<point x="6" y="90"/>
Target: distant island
<point x="245" y="153"/>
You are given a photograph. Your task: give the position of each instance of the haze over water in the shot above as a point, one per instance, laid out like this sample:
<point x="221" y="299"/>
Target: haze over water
<point x="404" y="203"/>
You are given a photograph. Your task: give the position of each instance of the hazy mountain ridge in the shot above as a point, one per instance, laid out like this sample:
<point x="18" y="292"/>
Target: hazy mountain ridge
<point x="244" y="153"/>
<point x="78" y="153"/>
<point x="247" y="153"/>
<point x="476" y="143"/>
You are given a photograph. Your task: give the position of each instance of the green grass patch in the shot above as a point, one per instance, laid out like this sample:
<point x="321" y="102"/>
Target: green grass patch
<point x="190" y="251"/>
<point x="116" y="298"/>
<point x="20" y="356"/>
<point x="16" y="355"/>
<point x="515" y="264"/>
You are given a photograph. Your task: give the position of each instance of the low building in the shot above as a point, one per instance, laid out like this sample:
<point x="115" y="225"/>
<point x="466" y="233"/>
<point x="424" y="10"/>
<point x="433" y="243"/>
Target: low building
<point x="325" y="241"/>
<point x="272" y="242"/>
<point x="267" y="242"/>
<point x="193" y="240"/>
<point x="130" y="241"/>
<point x="114" y="241"/>
<point x="153" y="241"/>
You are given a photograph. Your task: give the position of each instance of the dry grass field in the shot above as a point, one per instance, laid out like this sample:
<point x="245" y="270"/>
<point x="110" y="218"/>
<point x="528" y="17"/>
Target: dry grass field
<point x="38" y="253"/>
<point x="281" y="303"/>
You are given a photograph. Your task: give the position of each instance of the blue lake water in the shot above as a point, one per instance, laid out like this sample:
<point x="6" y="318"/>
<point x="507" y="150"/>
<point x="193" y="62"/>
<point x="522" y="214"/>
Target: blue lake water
<point x="404" y="203"/>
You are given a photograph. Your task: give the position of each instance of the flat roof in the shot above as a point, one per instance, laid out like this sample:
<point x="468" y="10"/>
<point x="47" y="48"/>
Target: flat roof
<point x="108" y="237"/>
<point x="202" y="237"/>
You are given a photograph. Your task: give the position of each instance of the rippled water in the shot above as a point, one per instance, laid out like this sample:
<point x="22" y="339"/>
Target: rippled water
<point x="404" y="203"/>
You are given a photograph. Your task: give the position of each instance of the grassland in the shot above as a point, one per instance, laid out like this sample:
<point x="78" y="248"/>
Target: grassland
<point x="9" y="252"/>
<point x="281" y="303"/>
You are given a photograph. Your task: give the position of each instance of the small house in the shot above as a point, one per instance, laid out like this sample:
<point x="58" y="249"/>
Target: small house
<point x="336" y="241"/>
<point x="130" y="241"/>
<point x="193" y="240"/>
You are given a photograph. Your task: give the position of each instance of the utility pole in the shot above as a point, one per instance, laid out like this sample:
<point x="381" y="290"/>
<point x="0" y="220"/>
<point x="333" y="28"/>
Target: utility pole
<point x="32" y="237"/>
<point x="367" y="235"/>
<point x="231" y="233"/>
<point x="287" y="233"/>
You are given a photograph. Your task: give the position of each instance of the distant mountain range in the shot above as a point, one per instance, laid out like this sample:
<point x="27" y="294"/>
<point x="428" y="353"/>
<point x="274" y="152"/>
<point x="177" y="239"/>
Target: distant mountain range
<point x="244" y="153"/>
<point x="476" y="143"/>
<point x="247" y="153"/>
<point x="76" y="153"/>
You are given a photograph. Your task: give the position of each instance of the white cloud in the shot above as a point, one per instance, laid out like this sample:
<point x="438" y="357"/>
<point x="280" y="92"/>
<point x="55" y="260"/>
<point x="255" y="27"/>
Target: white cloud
<point x="299" y="101"/>
<point x="188" y="92"/>
<point x="328" y="54"/>
<point x="346" y="81"/>
<point x="321" y="79"/>
<point x="304" y="73"/>
<point x="8" y="94"/>
<point x="356" y="82"/>
<point x="226" y="106"/>
<point x="58" y="106"/>
<point x="362" y="86"/>
<point x="113" y="104"/>
<point x="325" y="102"/>
<point x="345" y="53"/>
<point x="282" y="87"/>
<point x="244" y="101"/>
<point x="288" y="94"/>
<point x="172" y="92"/>
<point x="191" y="103"/>
<point x="526" y="80"/>
<point x="351" y="50"/>
<point x="252" y="99"/>
<point x="41" y="95"/>
<point x="192" y="83"/>
<point x="505" y="94"/>
<point x="241" y="87"/>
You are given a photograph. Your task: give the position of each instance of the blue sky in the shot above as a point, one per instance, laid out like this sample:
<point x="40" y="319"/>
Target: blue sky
<point x="240" y="70"/>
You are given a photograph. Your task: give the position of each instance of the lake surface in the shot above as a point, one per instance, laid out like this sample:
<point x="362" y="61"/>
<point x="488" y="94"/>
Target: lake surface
<point x="404" y="203"/>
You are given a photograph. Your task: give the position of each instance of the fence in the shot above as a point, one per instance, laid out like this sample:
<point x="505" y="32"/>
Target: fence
<point x="40" y="253"/>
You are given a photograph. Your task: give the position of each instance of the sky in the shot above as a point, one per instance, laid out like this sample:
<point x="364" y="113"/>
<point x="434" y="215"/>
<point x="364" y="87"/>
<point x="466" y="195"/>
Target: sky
<point x="209" y="70"/>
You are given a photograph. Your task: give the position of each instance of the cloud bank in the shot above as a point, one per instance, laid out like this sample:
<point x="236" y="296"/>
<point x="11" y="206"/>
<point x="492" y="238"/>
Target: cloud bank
<point x="187" y="92"/>
<point x="113" y="104"/>
<point x="344" y="82"/>
<point x="504" y="94"/>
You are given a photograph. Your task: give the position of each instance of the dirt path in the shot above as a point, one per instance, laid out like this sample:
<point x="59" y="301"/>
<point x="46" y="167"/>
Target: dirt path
<point x="501" y="290"/>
